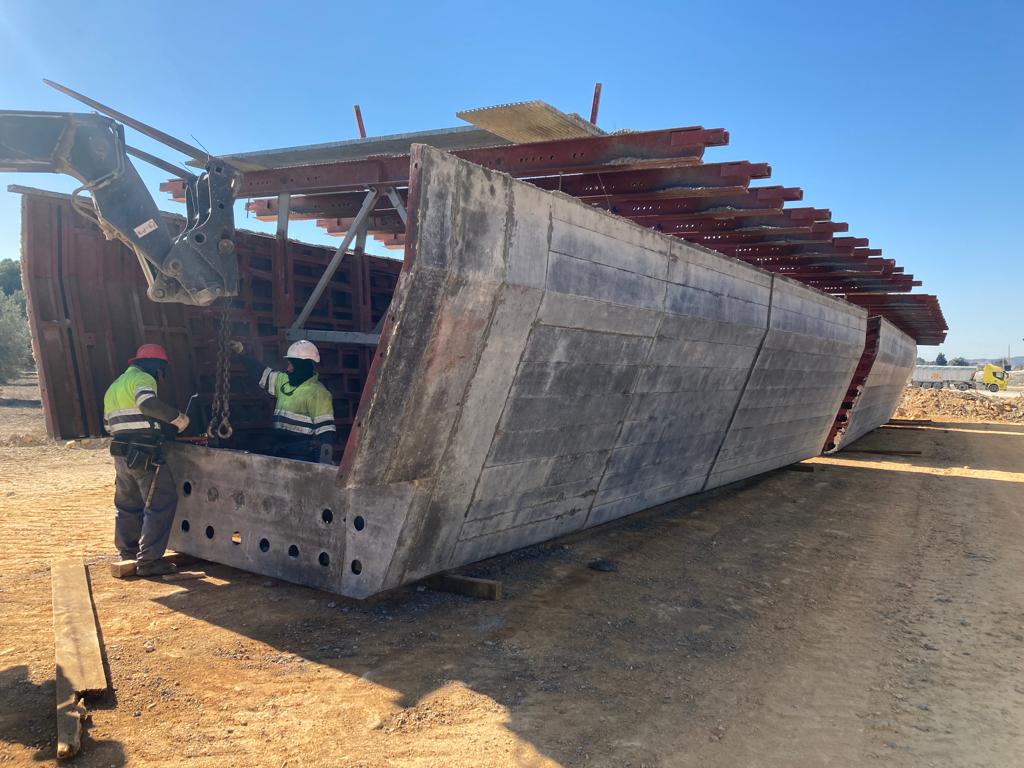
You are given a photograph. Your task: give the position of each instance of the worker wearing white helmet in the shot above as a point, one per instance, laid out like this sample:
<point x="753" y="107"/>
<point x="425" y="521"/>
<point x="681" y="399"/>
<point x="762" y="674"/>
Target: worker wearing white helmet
<point x="304" y="412"/>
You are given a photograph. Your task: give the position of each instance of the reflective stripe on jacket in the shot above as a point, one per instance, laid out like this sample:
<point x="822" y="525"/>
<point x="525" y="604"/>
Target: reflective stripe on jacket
<point x="121" y="414"/>
<point x="303" y="410"/>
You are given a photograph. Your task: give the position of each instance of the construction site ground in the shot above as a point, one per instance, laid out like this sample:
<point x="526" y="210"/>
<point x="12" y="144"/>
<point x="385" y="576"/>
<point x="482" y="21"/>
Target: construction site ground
<point x="870" y="612"/>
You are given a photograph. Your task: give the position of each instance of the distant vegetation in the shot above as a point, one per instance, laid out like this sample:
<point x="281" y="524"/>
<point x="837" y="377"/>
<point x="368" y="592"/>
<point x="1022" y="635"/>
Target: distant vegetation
<point x="15" y="342"/>
<point x="960" y="361"/>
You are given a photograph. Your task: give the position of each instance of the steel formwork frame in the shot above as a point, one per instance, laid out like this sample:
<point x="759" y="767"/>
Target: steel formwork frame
<point x="656" y="179"/>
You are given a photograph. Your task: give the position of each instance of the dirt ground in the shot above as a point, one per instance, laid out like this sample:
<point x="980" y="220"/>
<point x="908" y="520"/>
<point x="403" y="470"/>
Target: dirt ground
<point x="870" y="612"/>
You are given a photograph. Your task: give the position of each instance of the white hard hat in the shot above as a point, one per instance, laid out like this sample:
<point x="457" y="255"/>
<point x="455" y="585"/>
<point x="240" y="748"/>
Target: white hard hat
<point x="304" y="350"/>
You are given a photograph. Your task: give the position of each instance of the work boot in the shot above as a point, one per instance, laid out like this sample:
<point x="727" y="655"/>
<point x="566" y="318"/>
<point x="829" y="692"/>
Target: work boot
<point x="155" y="568"/>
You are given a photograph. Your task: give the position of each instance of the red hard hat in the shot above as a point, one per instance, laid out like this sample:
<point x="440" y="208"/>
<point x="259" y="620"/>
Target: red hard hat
<point x="150" y="352"/>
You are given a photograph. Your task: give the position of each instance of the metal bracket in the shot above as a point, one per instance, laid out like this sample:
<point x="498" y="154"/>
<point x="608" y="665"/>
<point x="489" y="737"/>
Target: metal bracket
<point x="356" y="230"/>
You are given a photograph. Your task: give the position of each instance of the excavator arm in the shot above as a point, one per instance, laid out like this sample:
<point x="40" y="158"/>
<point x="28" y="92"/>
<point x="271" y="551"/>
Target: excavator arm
<point x="197" y="265"/>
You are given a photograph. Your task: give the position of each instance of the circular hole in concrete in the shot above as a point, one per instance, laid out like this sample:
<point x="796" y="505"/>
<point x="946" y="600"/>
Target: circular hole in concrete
<point x="185" y="526"/>
<point x="293" y="551"/>
<point x="264" y="545"/>
<point x="324" y="559"/>
<point x="209" y="531"/>
<point x="357" y="567"/>
<point x="327" y="516"/>
<point x="186" y="488"/>
<point x="359" y="523"/>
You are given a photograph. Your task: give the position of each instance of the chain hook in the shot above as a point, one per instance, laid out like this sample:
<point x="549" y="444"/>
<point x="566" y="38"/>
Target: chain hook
<point x="220" y="412"/>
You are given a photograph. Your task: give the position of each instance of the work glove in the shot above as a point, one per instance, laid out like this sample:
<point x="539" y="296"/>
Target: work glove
<point x="236" y="347"/>
<point x="181" y="422"/>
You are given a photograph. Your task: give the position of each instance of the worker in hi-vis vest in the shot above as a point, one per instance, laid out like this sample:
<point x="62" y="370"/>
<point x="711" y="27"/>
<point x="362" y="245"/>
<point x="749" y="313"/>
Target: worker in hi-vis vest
<point x="304" y="409"/>
<point x="145" y="494"/>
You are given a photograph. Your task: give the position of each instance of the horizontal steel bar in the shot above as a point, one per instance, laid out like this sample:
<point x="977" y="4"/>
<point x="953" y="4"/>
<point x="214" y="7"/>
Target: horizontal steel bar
<point x="334" y="337"/>
<point x="562" y="156"/>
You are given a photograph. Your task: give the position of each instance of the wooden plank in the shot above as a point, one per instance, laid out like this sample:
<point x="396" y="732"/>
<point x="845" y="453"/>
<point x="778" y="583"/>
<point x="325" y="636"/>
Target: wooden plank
<point x="70" y="713"/>
<point x="470" y="586"/>
<point x="76" y="641"/>
<point x="79" y="662"/>
<point x="882" y="452"/>
<point x="121" y="569"/>
<point x="799" y="467"/>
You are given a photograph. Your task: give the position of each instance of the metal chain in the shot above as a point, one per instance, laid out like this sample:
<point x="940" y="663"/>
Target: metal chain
<point x="220" y="412"/>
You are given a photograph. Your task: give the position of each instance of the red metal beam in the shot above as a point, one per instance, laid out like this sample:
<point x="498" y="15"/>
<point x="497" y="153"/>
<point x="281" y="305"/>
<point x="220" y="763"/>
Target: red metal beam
<point x="702" y="180"/>
<point x="562" y="156"/>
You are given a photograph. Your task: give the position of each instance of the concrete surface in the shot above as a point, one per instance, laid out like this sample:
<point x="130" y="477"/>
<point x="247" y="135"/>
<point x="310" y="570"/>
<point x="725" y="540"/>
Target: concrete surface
<point x="546" y="367"/>
<point x="551" y="367"/>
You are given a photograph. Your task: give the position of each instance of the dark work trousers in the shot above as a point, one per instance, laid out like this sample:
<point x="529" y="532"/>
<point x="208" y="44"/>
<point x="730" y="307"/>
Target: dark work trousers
<point x="141" y="532"/>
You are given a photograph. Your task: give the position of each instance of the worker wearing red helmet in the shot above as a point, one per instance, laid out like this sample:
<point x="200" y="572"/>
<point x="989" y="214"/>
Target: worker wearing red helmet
<point x="145" y="494"/>
<point x="304" y="411"/>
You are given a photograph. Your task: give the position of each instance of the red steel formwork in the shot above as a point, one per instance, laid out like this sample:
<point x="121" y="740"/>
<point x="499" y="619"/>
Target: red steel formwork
<point x="655" y="178"/>
<point x="88" y="310"/>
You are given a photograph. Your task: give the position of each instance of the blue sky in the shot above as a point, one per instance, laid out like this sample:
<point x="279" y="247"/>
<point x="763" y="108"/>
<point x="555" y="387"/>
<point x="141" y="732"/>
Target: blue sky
<point x="905" y="119"/>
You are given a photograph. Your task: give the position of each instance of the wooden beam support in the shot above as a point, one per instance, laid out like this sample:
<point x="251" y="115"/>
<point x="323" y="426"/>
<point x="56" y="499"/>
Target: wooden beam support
<point x="79" y="661"/>
<point x="470" y="586"/>
<point x="799" y="467"/>
<point x="883" y="452"/>
<point x="121" y="569"/>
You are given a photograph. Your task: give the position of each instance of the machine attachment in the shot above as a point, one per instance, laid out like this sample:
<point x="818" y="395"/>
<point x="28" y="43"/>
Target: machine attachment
<point x="198" y="265"/>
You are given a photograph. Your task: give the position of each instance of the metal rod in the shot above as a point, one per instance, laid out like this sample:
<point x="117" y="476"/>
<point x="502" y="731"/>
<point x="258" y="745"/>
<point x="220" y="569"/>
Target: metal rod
<point x="596" y="104"/>
<point x="171" y="168"/>
<point x="399" y="203"/>
<point x="164" y="138"/>
<point x="281" y="269"/>
<point x="359" y="121"/>
<point x="335" y="337"/>
<point x="358" y="224"/>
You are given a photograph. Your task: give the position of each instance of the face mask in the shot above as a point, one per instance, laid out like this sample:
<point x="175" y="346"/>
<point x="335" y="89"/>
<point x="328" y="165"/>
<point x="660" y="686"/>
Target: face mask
<point x="300" y="372"/>
<point x="155" y="368"/>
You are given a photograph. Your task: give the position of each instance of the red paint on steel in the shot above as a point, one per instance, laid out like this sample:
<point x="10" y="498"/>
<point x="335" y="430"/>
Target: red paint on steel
<point x="860" y="375"/>
<point x="359" y="121"/>
<point x="560" y="156"/>
<point x="387" y="328"/>
<point x="88" y="312"/>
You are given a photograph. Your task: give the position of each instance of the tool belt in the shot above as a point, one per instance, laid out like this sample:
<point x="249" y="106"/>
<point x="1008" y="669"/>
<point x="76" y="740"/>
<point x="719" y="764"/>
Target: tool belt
<point x="143" y="452"/>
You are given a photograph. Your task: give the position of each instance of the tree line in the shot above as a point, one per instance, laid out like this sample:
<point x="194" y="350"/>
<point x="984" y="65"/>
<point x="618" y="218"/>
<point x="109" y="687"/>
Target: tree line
<point x="15" y="341"/>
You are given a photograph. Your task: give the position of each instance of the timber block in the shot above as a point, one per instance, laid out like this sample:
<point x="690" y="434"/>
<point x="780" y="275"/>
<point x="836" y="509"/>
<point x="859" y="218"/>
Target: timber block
<point x="470" y="586"/>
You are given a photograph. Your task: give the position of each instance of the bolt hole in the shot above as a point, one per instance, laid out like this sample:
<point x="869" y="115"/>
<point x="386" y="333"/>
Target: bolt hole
<point x="185" y="526"/>
<point x="293" y="551"/>
<point x="359" y="523"/>
<point x="186" y="488"/>
<point x="357" y="567"/>
<point x="327" y="516"/>
<point x="324" y="559"/>
<point x="218" y="169"/>
<point x="199" y="237"/>
<point x="209" y="531"/>
<point x="236" y="538"/>
<point x="264" y="545"/>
